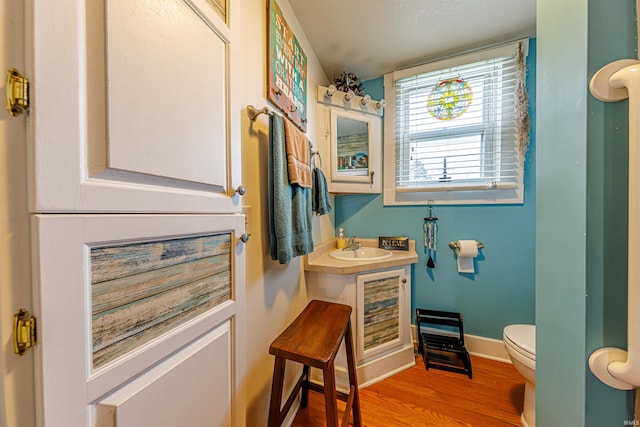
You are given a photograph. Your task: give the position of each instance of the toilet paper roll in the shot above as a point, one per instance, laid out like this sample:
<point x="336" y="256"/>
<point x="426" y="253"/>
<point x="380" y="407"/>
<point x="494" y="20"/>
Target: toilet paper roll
<point x="467" y="248"/>
<point x="467" y="251"/>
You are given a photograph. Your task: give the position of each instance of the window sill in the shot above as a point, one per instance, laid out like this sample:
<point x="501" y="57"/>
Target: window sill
<point x="391" y="197"/>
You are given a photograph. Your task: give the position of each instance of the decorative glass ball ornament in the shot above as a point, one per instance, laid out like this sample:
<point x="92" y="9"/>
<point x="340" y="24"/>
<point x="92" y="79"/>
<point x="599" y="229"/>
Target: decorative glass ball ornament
<point x="449" y="99"/>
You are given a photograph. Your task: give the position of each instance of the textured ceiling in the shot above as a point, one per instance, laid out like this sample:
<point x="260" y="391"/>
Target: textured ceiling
<point x="373" y="37"/>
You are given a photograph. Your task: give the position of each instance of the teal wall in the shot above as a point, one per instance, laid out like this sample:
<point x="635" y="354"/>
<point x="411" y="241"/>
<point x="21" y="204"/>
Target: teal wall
<point x="561" y="213"/>
<point x="581" y="210"/>
<point x="502" y="291"/>
<point x="607" y="165"/>
<point x="607" y="187"/>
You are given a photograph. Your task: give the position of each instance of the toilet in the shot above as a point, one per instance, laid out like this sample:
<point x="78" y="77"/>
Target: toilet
<point x="520" y="343"/>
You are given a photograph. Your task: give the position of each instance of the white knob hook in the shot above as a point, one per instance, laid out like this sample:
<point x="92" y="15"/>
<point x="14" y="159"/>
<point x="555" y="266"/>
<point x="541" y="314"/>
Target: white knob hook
<point x="349" y="95"/>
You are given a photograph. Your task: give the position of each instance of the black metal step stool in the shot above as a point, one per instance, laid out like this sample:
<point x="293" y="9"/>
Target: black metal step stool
<point x="441" y="341"/>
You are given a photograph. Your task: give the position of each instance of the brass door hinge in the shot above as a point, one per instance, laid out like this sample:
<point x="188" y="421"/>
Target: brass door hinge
<point x="17" y="100"/>
<point x="24" y="332"/>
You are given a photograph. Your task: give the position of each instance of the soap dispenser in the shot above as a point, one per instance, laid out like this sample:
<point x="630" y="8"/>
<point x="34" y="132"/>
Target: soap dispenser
<point x="341" y="242"/>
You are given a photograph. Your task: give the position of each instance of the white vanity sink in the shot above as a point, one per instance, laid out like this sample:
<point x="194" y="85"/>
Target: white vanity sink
<point x="363" y="254"/>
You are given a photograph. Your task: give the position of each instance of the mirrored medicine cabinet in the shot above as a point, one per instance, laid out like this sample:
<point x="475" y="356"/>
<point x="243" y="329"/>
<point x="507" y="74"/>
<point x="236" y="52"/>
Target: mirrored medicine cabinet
<point x="355" y="143"/>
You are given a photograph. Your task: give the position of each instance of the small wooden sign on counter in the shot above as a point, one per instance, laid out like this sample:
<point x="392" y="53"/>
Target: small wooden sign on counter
<point x="394" y="243"/>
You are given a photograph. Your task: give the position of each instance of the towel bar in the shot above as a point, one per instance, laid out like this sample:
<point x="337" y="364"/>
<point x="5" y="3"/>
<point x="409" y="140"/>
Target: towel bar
<point x="253" y="112"/>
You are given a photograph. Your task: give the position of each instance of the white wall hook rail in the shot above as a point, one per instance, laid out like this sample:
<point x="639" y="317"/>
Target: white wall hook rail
<point x="613" y="366"/>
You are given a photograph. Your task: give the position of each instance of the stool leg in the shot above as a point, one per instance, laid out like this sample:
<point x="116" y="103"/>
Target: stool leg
<point x="353" y="378"/>
<point x="276" y="392"/>
<point x="304" y="399"/>
<point x="330" y="396"/>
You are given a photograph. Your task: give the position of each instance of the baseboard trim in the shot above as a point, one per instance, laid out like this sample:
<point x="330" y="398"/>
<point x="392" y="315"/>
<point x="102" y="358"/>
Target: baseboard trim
<point x="487" y="348"/>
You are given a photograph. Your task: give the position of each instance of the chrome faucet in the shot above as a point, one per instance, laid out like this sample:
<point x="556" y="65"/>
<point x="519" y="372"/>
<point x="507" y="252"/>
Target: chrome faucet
<point x="352" y="245"/>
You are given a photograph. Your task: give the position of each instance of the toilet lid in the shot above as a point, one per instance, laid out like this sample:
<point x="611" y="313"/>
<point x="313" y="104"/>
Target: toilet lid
<point x="522" y="336"/>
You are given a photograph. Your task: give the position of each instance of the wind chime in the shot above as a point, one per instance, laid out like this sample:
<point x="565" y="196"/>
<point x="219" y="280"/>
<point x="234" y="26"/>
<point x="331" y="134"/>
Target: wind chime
<point x="430" y="228"/>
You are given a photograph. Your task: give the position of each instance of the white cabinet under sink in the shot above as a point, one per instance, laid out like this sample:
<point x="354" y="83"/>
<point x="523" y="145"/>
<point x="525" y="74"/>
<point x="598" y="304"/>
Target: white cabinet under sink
<point x="382" y="313"/>
<point x="381" y="318"/>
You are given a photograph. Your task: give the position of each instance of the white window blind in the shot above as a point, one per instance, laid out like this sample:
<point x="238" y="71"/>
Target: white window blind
<point x="456" y="128"/>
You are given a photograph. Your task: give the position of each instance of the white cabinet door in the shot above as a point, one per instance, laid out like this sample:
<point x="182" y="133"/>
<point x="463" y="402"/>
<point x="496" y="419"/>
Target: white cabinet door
<point x="354" y="136"/>
<point x="135" y="158"/>
<point x="382" y="309"/>
<point x="133" y="107"/>
<point x="129" y="305"/>
<point x="356" y="152"/>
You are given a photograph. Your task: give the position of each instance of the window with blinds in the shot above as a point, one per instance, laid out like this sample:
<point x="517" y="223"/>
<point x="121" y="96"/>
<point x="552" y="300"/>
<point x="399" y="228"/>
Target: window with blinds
<point x="457" y="128"/>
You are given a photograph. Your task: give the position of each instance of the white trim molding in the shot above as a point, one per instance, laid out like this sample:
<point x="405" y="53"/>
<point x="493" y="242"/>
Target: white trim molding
<point x="487" y="348"/>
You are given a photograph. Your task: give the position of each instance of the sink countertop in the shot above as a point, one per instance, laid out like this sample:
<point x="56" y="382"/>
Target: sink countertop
<point x="320" y="260"/>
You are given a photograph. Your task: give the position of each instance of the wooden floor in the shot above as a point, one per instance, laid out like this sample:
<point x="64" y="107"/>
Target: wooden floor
<point x="417" y="397"/>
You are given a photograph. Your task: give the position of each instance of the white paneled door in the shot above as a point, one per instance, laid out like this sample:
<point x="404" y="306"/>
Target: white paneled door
<point x="134" y="106"/>
<point x="138" y="266"/>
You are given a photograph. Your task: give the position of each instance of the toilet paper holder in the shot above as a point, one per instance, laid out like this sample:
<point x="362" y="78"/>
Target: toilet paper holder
<point x="454" y="245"/>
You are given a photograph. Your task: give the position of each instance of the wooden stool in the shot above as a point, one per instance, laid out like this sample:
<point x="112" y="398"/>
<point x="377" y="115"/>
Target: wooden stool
<point x="313" y="339"/>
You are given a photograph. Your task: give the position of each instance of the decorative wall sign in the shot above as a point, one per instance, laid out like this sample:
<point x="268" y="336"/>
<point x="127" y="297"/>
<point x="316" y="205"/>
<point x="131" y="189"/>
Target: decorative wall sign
<point x="287" y="70"/>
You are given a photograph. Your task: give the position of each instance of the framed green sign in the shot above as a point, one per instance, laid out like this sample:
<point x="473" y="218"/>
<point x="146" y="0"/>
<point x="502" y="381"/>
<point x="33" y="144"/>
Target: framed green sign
<point x="287" y="69"/>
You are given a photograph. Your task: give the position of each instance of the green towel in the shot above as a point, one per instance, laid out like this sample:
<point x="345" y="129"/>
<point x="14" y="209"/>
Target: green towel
<point x="289" y="205"/>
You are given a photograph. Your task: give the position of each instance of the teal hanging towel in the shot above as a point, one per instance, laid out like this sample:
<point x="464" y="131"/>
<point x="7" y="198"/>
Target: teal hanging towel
<point x="289" y="205"/>
<point x="321" y="202"/>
